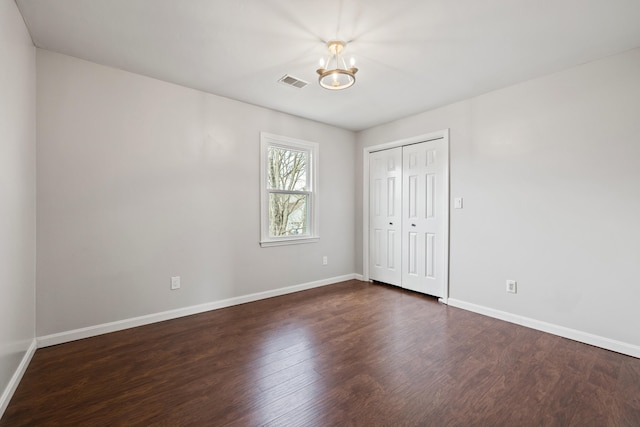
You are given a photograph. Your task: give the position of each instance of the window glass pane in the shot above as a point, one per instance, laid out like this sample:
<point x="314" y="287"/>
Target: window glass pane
<point x="287" y="215"/>
<point x="287" y="169"/>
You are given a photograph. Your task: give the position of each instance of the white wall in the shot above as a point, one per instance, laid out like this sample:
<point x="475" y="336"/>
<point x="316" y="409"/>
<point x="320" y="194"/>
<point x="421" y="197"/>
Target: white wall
<point x="17" y="192"/>
<point x="140" y="180"/>
<point x="549" y="171"/>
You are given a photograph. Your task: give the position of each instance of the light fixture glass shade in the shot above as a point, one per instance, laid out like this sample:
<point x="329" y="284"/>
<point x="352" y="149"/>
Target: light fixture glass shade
<point x="336" y="79"/>
<point x="340" y="76"/>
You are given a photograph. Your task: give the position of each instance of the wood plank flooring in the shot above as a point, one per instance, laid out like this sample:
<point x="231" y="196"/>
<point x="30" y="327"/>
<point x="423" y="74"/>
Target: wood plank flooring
<point x="349" y="354"/>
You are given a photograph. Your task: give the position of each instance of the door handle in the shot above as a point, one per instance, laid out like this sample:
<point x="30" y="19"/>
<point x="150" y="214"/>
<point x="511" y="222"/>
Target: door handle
<point x="390" y="223"/>
<point x="413" y="225"/>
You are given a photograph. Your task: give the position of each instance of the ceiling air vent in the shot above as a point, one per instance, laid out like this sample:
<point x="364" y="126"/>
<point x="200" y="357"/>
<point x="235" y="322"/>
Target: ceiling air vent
<point x="292" y="81"/>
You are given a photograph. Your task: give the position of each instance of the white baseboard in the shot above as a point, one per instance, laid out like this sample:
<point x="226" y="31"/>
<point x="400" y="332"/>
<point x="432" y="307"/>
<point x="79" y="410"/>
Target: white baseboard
<point x="359" y="277"/>
<point x="7" y="394"/>
<point x="91" y="331"/>
<point x="572" y="334"/>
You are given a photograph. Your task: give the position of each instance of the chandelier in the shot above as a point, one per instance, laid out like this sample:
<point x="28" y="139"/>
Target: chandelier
<point x="338" y="77"/>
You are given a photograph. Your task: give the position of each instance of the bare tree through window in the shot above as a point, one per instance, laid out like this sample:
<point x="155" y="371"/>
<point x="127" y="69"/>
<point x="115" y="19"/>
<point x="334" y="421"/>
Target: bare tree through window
<point x="288" y="200"/>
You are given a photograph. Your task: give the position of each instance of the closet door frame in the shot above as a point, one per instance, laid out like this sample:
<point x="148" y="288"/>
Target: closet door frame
<point x="444" y="135"/>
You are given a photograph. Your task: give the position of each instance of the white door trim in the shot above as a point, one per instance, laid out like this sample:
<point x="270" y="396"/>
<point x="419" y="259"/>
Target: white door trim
<point x="443" y="134"/>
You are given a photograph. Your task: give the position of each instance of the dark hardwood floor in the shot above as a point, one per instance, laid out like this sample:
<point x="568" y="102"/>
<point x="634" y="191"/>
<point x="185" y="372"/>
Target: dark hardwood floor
<point x="349" y="354"/>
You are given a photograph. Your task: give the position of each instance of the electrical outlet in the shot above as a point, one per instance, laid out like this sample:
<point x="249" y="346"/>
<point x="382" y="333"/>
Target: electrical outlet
<point x="325" y="260"/>
<point x="175" y="283"/>
<point x="512" y="286"/>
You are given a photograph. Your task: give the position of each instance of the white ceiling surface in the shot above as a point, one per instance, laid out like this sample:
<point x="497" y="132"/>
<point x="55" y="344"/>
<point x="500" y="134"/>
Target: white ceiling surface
<point x="413" y="55"/>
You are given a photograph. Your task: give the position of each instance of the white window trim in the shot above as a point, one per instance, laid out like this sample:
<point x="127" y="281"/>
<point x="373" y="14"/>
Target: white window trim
<point x="268" y="140"/>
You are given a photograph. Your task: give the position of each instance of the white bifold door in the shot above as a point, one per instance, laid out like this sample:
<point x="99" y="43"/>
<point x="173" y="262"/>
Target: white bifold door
<point x="408" y="210"/>
<point x="385" y="211"/>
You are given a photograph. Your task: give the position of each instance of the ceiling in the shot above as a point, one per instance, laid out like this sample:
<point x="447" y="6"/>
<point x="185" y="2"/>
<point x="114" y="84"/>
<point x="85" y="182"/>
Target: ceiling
<point x="413" y="55"/>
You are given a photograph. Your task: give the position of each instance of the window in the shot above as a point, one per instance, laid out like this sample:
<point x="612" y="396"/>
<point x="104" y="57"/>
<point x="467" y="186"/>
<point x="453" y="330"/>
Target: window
<point x="289" y="204"/>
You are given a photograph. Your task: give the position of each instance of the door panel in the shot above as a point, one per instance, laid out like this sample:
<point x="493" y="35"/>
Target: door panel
<point x="430" y="255"/>
<point x="385" y="172"/>
<point x="412" y="255"/>
<point x="393" y="258"/>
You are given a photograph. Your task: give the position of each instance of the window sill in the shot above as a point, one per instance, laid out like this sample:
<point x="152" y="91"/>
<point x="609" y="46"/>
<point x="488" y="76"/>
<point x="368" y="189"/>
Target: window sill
<point x="284" y="242"/>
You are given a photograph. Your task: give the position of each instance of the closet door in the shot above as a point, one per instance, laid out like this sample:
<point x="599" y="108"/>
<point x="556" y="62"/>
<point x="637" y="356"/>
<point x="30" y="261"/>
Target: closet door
<point x="385" y="210"/>
<point x="425" y="211"/>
